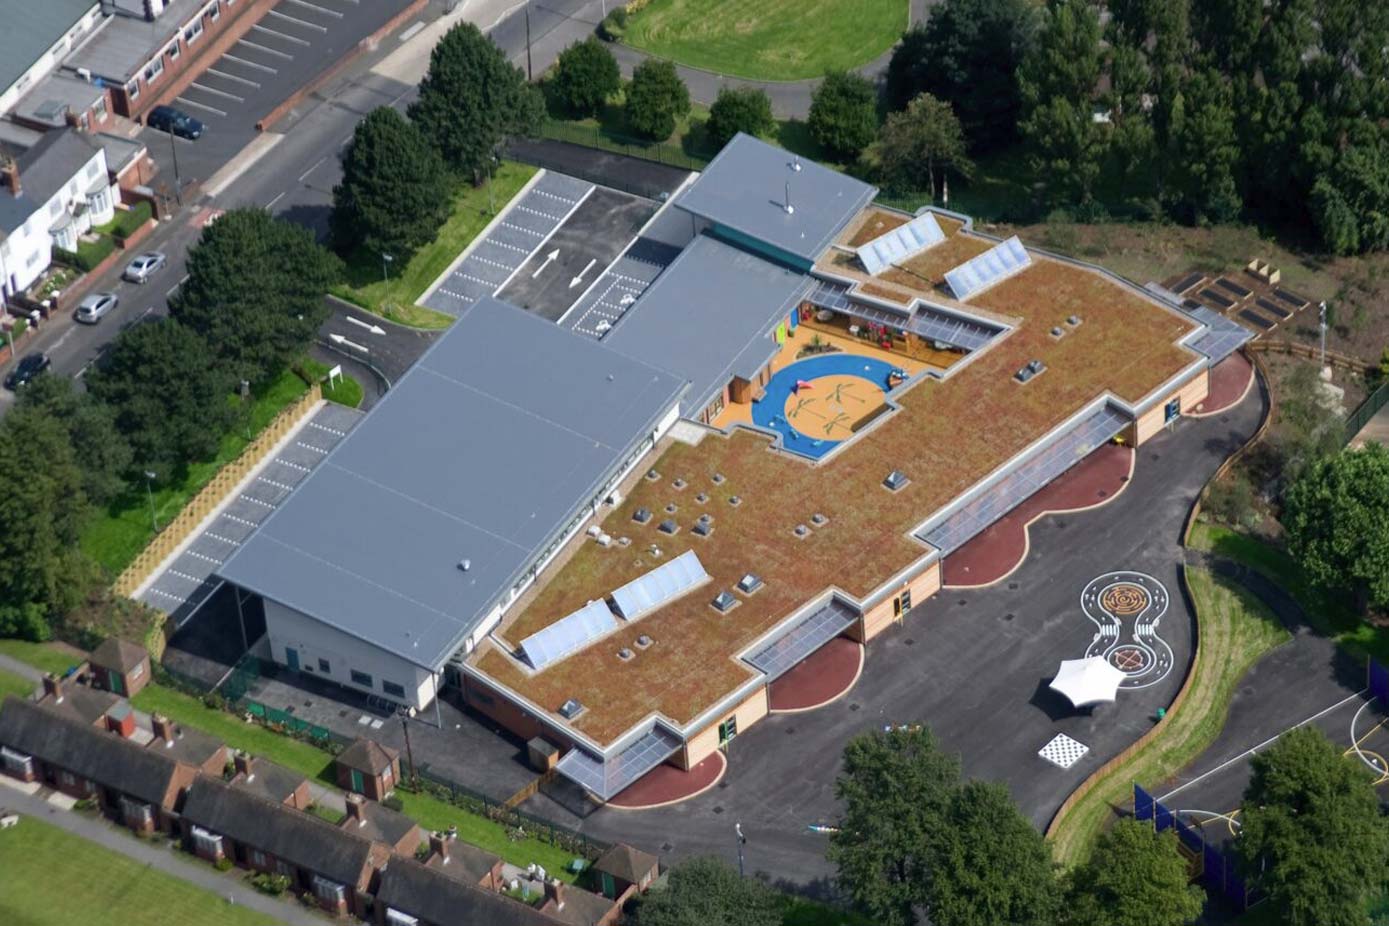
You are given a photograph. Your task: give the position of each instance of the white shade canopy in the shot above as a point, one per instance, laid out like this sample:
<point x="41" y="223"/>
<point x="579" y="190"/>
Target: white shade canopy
<point x="1087" y="681"/>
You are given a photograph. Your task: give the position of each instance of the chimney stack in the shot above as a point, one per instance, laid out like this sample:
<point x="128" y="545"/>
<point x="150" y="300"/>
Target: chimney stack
<point x="242" y="762"/>
<point x="354" y="808"/>
<point x="439" y="845"/>
<point x="163" y="729"/>
<point x="53" y="687"/>
<point x="554" y="890"/>
<point x="9" y="169"/>
<point x="113" y="726"/>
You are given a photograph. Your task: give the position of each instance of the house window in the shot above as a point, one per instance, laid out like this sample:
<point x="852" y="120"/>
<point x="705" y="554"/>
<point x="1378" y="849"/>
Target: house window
<point x="138" y="671"/>
<point x="213" y="11"/>
<point x="205" y="842"/>
<point x="323" y="665"/>
<point x="68" y="778"/>
<point x="135" y="812"/>
<point x="132" y="90"/>
<point x="173" y="51"/>
<point x="99" y="110"/>
<point x="92" y="169"/>
<point x="154" y="70"/>
<point x="902" y="603"/>
<point x="55" y="207"/>
<point x="258" y="858"/>
<point x="16" y="763"/>
<point x="361" y="678"/>
<point x="392" y="689"/>
<point x="328" y="891"/>
<point x="194" y="31"/>
<point x="284" y="868"/>
<point x="387" y="776"/>
<point x="396" y="918"/>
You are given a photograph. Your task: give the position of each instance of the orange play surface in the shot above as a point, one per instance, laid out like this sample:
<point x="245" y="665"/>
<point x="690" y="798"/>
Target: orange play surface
<point x="831" y="405"/>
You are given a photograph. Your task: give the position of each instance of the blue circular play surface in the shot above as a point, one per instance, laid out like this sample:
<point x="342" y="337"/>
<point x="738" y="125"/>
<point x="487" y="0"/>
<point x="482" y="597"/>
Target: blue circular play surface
<point x="770" y="411"/>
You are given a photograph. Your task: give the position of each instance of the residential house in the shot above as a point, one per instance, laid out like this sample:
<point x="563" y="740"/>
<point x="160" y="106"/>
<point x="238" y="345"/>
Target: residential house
<point x="91" y="706"/>
<point x="625" y="870"/>
<point x="35" y="41"/>
<point x="140" y="787"/>
<point x="53" y="193"/>
<point x="120" y="667"/>
<point x="463" y="861"/>
<point x="368" y="768"/>
<point x="204" y="752"/>
<point x="272" y="782"/>
<point x="380" y="823"/>
<point x="410" y="894"/>
<point x="335" y="866"/>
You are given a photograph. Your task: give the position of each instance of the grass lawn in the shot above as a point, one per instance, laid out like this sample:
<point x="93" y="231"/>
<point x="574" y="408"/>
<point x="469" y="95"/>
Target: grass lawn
<point x="434" y="814"/>
<point x="43" y="656"/>
<point x="1235" y="631"/>
<point x="52" y="878"/>
<point x="396" y="296"/>
<point x="769" y="39"/>
<point x="1327" y="613"/>
<point x="118" y="534"/>
<point x="345" y="391"/>
<point x="11" y="684"/>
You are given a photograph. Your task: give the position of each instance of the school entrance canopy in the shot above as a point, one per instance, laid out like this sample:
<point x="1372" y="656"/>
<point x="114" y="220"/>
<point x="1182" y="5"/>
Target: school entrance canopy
<point x="1087" y="681"/>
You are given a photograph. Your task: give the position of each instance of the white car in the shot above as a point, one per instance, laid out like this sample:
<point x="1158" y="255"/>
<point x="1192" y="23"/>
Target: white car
<point x="145" y="266"/>
<point x="90" y="309"/>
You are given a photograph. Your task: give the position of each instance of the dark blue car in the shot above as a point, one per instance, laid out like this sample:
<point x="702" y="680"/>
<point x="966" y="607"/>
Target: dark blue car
<point x="174" y="121"/>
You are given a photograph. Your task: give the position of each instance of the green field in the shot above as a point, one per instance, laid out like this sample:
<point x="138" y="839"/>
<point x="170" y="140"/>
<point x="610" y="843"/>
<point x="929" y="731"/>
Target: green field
<point x="52" y="878"/>
<point x="769" y="39"/>
<point x="43" y="656"/>
<point x="393" y="292"/>
<point x="118" y="534"/>
<point x="11" y="684"/>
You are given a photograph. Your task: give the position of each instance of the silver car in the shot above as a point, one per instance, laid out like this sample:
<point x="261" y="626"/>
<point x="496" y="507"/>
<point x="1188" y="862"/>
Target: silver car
<point x="145" y="266"/>
<point x="90" y="310"/>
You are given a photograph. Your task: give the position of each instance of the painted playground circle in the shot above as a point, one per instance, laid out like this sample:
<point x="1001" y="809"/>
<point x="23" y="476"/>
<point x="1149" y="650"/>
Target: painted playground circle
<point x="814" y="403"/>
<point x="1127" y="610"/>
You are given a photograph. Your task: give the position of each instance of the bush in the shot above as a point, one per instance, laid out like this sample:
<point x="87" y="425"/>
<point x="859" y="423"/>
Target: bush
<point x="128" y="221"/>
<point x="394" y="803"/>
<point x="656" y="98"/>
<point x="224" y="864"/>
<point x="585" y="75"/>
<point x="88" y="254"/>
<point x="844" y="114"/>
<point x="745" y="109"/>
<point x="614" y="26"/>
<point x="266" y="883"/>
<point x="1231" y="501"/>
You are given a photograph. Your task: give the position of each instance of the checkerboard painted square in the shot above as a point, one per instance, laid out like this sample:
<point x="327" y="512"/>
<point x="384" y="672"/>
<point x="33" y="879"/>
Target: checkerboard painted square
<point x="1062" y="751"/>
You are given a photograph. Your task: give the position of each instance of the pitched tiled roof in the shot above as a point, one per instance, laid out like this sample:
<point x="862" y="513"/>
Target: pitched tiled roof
<point x="411" y="888"/>
<point x="380" y="823"/>
<point x="269" y="780"/>
<point x="623" y="861"/>
<point x="466" y="862"/>
<point x="121" y="655"/>
<point x="292" y="835"/>
<point x="367" y="755"/>
<point x="60" y="739"/>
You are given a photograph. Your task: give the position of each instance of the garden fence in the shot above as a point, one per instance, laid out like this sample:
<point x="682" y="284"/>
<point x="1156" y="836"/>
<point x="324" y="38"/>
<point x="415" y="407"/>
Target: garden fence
<point x="1362" y="415"/>
<point x="597" y="137"/>
<point x="1216" y="865"/>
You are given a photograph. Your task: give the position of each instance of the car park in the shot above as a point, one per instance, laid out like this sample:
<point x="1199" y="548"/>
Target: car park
<point x="144" y="266"/>
<point x="29" y="366"/>
<point x="175" y="122"/>
<point x="91" y="309"/>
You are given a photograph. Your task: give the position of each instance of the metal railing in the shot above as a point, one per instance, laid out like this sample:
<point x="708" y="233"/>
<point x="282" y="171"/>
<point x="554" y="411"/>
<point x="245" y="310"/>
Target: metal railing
<point x="597" y="137"/>
<point x="1362" y="415"/>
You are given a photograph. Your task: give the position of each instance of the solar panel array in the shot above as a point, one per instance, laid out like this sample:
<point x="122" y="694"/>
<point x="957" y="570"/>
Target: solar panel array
<point x="902" y="242"/>
<point x="805" y="637"/>
<point x="607" y="777"/>
<point x="926" y="322"/>
<point x="568" y="634"/>
<point x="660" y="585"/>
<point x="1061" y="454"/>
<point x="979" y="273"/>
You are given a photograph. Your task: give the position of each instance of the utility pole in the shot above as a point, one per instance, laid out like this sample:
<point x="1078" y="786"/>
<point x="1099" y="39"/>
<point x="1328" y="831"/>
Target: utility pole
<point x="385" y="266"/>
<point x="529" y="75"/>
<point x="742" y="841"/>
<point x="149" y="484"/>
<point x="178" y="183"/>
<point x="409" y="753"/>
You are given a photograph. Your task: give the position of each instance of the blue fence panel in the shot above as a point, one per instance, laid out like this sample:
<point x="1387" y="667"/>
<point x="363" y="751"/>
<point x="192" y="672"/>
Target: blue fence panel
<point x="1379" y="682"/>
<point x="1162" y="817"/>
<point x="1235" y="888"/>
<point x="1142" y="804"/>
<point x="1213" y="868"/>
<point x="1189" y="837"/>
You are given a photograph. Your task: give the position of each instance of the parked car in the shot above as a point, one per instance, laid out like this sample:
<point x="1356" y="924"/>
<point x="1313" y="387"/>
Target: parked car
<point x="90" y="309"/>
<point x="29" y="366"/>
<point x="145" y="266"/>
<point x="175" y="121"/>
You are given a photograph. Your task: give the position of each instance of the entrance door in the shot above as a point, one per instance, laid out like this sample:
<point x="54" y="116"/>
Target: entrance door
<point x="727" y="730"/>
<point x="292" y="658"/>
<point x="357" y="783"/>
<point x="1172" y="412"/>
<point x="116" y="682"/>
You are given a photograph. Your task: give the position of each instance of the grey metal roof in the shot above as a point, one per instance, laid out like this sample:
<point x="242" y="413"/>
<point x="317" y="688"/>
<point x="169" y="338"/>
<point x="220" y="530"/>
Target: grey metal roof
<point x="43" y="170"/>
<point x="745" y="188"/>
<point x="484" y="451"/>
<point x="32" y="28"/>
<point x="119" y="48"/>
<point x="51" y="99"/>
<point x="709" y="317"/>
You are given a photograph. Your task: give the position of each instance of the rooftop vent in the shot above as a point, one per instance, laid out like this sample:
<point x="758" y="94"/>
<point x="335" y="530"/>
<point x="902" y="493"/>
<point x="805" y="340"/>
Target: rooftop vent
<point x="570" y="709"/>
<point x="625" y="654"/>
<point x="1058" y="332"/>
<point x="724" y="602"/>
<point x="702" y="497"/>
<point x="702" y="529"/>
<point x="641" y="515"/>
<point x="801" y="531"/>
<point x="652" y="475"/>
<point x="668" y="526"/>
<point x="735" y="500"/>
<point x="749" y="584"/>
<point x="643" y="641"/>
<point x="672" y="508"/>
<point x="718" y="479"/>
<point x="679" y="483"/>
<point x="465" y="564"/>
<point x="895" y="480"/>
<point x="1073" y="320"/>
<point x="819" y="520"/>
<point x="1032" y="369"/>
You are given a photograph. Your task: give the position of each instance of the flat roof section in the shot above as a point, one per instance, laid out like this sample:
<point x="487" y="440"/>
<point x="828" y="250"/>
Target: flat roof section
<point x="708" y="317"/>
<point x="745" y="187"/>
<point x="484" y="451"/>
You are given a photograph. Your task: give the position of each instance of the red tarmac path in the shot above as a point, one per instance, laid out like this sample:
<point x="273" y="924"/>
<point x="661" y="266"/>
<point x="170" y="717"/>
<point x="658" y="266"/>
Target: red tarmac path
<point x="1230" y="381"/>
<point x="667" y="784"/>
<point x="823" y="676"/>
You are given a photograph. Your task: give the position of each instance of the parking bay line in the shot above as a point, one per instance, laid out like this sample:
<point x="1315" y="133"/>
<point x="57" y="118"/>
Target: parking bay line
<point x="298" y="22"/>
<point x="268" y="51"/>
<point x="212" y="109"/>
<point x="313" y="6"/>
<point x="215" y="92"/>
<point x="240" y="80"/>
<point x="250" y="64"/>
<point x="288" y="38"/>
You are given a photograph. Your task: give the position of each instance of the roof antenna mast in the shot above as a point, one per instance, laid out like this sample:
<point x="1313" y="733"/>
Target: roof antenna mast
<point x="790" y="209"/>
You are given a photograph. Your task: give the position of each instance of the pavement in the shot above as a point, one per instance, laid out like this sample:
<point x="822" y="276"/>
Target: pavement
<point x="154" y="854"/>
<point x="973" y="665"/>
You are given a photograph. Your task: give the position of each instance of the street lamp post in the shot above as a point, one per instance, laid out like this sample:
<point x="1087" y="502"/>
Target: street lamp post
<point x="385" y="266"/>
<point x="1322" y="324"/>
<point x="409" y="753"/>
<point x="178" y="183"/>
<point x="742" y="841"/>
<point x="150" y="476"/>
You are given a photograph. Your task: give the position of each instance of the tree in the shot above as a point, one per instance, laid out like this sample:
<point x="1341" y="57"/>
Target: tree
<point x="843" y="114"/>
<point x="656" y="99"/>
<point x="472" y="99"/>
<point x="1058" y="84"/>
<point x="1135" y="877"/>
<point x="1307" y="431"/>
<point x="739" y="109"/>
<point x="101" y="451"/>
<point x="167" y="395"/>
<point x="585" y="75"/>
<point x="919" y="141"/>
<point x="895" y="788"/>
<point x="255" y="292"/>
<point x="1312" y="833"/>
<point x="989" y="865"/>
<point x="707" y="891"/>
<point x="1335" y="515"/>
<point x="395" y="189"/>
<point x="968" y="53"/>
<point x="1205" y="151"/>
<point x="1350" y="204"/>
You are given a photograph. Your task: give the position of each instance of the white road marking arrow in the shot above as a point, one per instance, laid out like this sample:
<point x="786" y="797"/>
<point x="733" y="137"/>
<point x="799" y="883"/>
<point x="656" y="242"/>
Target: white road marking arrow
<point x="552" y="256"/>
<point x="580" y="278"/>
<point x="374" y="329"/>
<point x="339" y="339"/>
